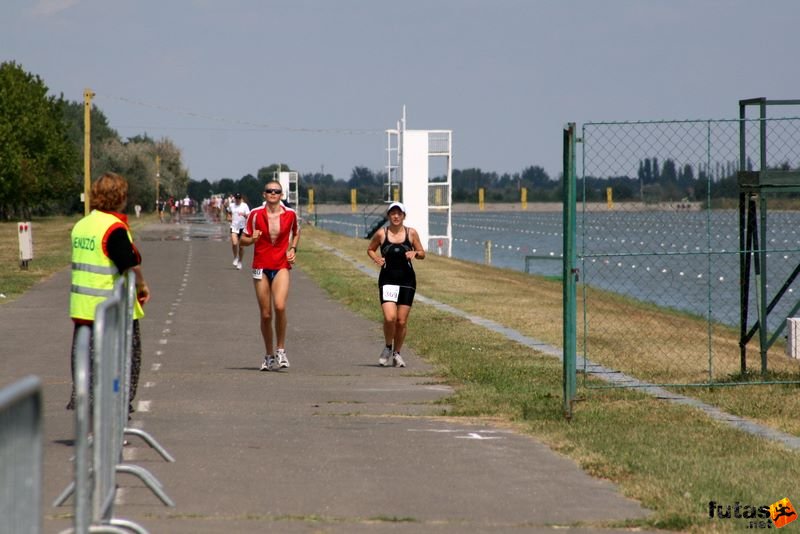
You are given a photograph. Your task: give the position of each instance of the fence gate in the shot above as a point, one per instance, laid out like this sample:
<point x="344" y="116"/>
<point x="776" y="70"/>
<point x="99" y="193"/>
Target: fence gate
<point x="662" y="290"/>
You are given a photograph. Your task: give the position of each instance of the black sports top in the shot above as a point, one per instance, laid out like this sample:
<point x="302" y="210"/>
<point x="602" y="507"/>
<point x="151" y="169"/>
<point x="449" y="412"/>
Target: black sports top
<point x="397" y="269"/>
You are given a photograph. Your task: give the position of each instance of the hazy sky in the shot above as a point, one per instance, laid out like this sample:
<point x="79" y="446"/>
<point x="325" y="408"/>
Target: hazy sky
<point x="241" y="84"/>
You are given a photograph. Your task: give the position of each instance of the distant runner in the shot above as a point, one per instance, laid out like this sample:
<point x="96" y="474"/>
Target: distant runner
<point x="397" y="281"/>
<point x="239" y="211"/>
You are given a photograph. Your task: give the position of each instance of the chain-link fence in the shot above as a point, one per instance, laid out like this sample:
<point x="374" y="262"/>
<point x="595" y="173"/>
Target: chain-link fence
<point x="658" y="248"/>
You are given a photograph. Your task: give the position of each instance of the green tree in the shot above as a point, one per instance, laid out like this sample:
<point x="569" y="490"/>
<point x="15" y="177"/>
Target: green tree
<point x="100" y="131"/>
<point x="136" y="161"/>
<point x="466" y="183"/>
<point x="265" y="174"/>
<point x="669" y="174"/>
<point x="362" y="177"/>
<point x="369" y="186"/>
<point x="251" y="188"/>
<point x="326" y="188"/>
<point x="535" y="176"/>
<point x="201" y="189"/>
<point x="174" y="176"/>
<point x="38" y="163"/>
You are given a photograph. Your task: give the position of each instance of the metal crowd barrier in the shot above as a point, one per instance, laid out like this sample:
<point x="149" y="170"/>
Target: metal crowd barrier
<point x="128" y="294"/>
<point x="21" y="457"/>
<point x="94" y="485"/>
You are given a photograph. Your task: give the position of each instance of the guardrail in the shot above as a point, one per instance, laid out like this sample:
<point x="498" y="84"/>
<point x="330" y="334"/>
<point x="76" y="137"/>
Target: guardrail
<point x="21" y="457"/>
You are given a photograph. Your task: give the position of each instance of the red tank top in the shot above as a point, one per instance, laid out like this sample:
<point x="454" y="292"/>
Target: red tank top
<point x="269" y="255"/>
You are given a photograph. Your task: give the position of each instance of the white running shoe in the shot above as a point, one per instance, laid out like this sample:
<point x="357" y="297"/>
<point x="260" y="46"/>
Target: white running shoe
<point x="239" y="265"/>
<point x="398" y="360"/>
<point x="386" y="357"/>
<point x="283" y="361"/>
<point x="268" y="364"/>
<point x="235" y="262"/>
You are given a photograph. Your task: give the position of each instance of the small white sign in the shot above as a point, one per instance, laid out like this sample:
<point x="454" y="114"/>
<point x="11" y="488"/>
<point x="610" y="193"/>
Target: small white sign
<point x="25" y="241"/>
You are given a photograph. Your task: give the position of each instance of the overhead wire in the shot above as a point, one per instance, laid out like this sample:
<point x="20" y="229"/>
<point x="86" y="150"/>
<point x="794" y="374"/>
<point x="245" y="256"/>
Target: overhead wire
<point x="251" y="126"/>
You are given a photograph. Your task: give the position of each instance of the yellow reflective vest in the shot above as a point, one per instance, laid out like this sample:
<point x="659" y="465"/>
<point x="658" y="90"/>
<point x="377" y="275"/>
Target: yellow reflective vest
<point x="93" y="273"/>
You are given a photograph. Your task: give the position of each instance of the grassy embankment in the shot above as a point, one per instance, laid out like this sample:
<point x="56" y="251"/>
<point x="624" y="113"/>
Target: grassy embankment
<point x="673" y="459"/>
<point x="51" y="252"/>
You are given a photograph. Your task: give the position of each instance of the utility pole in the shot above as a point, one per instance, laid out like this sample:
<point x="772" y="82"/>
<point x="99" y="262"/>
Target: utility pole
<point x="87" y="148"/>
<point x="158" y="179"/>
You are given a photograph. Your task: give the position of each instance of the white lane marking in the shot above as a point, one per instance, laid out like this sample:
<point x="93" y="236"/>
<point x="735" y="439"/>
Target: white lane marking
<point x="480" y="434"/>
<point x="162" y="341"/>
<point x="439" y="388"/>
<point x="155" y="367"/>
<point x="458" y="430"/>
<point x="475" y="435"/>
<point x="143" y="406"/>
<point x="149" y="384"/>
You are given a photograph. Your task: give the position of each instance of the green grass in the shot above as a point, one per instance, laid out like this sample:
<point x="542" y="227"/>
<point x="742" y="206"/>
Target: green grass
<point x="673" y="459"/>
<point x="51" y="252"/>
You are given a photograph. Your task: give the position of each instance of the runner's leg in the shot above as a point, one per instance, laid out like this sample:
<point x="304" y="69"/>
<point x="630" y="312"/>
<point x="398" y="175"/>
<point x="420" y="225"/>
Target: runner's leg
<point x="389" y="321"/>
<point x="401" y="326"/>
<point x="280" y="296"/>
<point x="263" y="295"/>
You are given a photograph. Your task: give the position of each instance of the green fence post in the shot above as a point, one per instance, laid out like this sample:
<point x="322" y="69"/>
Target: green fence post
<point x="569" y="271"/>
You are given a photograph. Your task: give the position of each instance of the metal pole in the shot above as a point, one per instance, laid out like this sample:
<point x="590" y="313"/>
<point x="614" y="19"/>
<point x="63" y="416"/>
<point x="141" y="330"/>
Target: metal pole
<point x="762" y="252"/>
<point x="744" y="278"/>
<point x="158" y="179"/>
<point x="762" y="280"/>
<point x="744" y="257"/>
<point x="569" y="270"/>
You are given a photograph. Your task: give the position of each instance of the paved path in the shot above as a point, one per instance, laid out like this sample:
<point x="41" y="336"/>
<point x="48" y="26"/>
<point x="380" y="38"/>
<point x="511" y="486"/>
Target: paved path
<point x="335" y="444"/>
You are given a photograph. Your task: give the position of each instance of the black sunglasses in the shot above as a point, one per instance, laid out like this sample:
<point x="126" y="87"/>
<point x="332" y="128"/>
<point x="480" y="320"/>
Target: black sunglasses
<point x="274" y="191"/>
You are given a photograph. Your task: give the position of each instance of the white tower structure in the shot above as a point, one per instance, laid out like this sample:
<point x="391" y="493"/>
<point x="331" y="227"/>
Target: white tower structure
<point x="411" y="156"/>
<point x="288" y="181"/>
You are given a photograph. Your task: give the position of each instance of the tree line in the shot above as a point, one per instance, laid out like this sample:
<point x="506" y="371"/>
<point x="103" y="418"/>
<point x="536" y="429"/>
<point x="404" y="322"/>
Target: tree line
<point x="655" y="182"/>
<point x="41" y="166"/>
<point x="41" y="152"/>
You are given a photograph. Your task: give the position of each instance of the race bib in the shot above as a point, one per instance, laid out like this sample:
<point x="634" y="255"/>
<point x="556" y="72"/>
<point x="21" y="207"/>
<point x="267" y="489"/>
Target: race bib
<point x="258" y="274"/>
<point x="390" y="293"/>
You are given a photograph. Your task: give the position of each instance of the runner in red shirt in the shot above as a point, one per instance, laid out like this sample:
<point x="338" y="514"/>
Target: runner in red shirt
<point x="272" y="227"/>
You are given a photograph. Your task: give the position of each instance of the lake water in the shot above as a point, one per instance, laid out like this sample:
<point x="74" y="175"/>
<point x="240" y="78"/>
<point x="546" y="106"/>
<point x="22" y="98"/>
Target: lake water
<point x="682" y="260"/>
